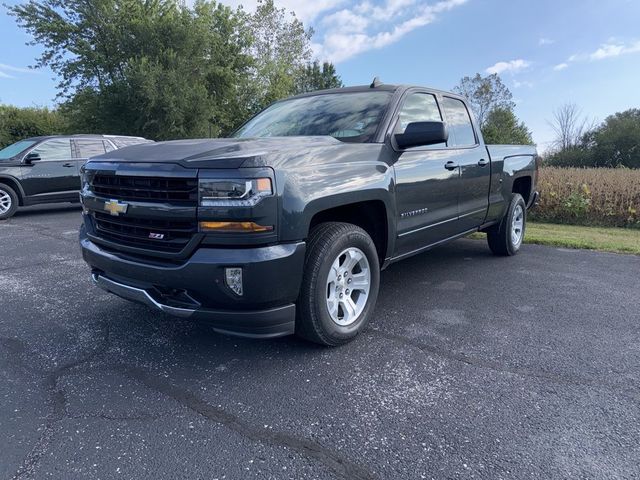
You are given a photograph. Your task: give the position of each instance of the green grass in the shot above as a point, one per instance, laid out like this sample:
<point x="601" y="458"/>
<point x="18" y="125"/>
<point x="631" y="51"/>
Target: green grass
<point x="617" y="240"/>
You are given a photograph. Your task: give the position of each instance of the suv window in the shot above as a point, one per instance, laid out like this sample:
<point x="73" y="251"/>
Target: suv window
<point x="89" y="148"/>
<point x="419" y="107"/>
<point x="460" y="127"/>
<point x="55" y="149"/>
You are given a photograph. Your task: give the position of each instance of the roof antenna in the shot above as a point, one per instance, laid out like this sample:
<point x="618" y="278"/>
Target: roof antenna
<point x="376" y="83"/>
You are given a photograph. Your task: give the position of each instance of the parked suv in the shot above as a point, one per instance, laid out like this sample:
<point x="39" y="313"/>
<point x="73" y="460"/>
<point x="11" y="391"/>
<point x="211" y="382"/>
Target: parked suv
<point x="284" y="227"/>
<point x="47" y="169"/>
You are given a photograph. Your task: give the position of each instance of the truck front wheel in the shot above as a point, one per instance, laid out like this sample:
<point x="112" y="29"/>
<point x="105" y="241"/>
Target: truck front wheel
<point x="340" y="284"/>
<point x="505" y="239"/>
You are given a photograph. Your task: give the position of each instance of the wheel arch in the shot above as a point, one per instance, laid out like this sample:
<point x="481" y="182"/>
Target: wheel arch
<point x="370" y="215"/>
<point x="14" y="184"/>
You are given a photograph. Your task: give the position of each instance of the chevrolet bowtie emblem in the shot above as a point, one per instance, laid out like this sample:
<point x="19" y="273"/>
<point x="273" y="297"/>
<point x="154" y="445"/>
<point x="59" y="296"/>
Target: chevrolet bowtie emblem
<point x="115" y="208"/>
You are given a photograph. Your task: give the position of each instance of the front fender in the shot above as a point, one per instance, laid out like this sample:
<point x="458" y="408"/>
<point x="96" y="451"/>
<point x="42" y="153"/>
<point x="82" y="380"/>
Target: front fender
<point x="310" y="190"/>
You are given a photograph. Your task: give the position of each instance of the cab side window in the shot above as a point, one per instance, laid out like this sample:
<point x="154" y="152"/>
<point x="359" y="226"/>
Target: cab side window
<point x="55" y="149"/>
<point x="419" y="107"/>
<point x="459" y="122"/>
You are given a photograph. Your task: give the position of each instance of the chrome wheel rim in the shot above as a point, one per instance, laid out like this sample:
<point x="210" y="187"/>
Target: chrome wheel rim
<point x="517" y="225"/>
<point x="5" y="202"/>
<point x="348" y="286"/>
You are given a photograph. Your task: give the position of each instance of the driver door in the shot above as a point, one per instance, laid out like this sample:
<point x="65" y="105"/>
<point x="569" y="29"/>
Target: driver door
<point x="53" y="171"/>
<point x="427" y="188"/>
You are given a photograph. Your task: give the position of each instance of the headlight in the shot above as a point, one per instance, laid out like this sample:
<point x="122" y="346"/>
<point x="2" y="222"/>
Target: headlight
<point x="233" y="192"/>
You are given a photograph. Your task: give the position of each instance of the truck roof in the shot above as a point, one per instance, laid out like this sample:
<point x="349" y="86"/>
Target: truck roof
<point x="378" y="87"/>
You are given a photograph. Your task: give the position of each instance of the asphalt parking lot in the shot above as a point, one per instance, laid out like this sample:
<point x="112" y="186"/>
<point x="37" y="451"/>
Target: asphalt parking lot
<point x="473" y="367"/>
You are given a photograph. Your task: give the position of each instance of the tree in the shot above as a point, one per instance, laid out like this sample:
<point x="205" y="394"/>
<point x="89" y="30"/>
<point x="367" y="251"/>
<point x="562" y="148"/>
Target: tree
<point x="311" y="77"/>
<point x="569" y="127"/>
<point x="502" y="127"/>
<point x="616" y="142"/>
<point x="485" y="94"/>
<point x="154" y="68"/>
<point x="281" y="48"/>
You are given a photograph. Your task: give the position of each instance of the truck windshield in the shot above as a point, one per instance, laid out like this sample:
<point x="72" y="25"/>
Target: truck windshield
<point x="350" y="117"/>
<point x="14" y="149"/>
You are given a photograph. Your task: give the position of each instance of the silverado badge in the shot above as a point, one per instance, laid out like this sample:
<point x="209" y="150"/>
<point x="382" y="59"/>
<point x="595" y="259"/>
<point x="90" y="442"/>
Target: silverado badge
<point x="115" y="208"/>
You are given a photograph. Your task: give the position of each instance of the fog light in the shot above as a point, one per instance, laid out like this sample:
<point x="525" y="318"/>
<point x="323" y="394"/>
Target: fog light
<point x="233" y="279"/>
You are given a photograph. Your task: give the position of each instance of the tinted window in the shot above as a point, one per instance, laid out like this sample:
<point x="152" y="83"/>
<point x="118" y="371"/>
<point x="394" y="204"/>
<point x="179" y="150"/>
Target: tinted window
<point x="121" y="142"/>
<point x="14" y="149"/>
<point x="418" y="107"/>
<point x="351" y="117"/>
<point x="89" y="148"/>
<point x="459" y="123"/>
<point x="56" y="149"/>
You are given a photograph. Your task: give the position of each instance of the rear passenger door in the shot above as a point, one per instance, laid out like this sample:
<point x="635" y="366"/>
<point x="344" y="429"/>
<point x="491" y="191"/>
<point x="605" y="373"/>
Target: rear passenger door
<point x="426" y="184"/>
<point x="473" y="162"/>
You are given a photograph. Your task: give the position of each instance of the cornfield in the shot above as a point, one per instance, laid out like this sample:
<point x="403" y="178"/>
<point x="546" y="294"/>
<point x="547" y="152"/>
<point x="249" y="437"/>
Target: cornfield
<point x="589" y="196"/>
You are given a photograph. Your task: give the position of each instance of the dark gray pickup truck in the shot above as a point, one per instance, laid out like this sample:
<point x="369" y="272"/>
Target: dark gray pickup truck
<point x="284" y="227"/>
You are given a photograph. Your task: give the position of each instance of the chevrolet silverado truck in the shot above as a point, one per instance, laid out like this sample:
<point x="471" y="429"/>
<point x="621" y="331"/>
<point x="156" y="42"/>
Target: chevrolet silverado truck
<point x="284" y="227"/>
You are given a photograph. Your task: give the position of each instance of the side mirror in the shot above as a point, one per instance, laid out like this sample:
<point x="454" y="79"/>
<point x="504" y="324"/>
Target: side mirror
<point x="418" y="134"/>
<point x="32" y="157"/>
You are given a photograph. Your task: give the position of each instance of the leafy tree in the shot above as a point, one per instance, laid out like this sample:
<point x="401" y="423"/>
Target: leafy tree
<point x="281" y="48"/>
<point x="312" y="77"/>
<point x="154" y="68"/>
<point x="616" y="142"/>
<point x="502" y="127"/>
<point x="18" y="123"/>
<point x="485" y="94"/>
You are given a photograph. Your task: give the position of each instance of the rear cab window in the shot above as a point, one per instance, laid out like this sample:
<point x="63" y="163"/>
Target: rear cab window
<point x="461" y="132"/>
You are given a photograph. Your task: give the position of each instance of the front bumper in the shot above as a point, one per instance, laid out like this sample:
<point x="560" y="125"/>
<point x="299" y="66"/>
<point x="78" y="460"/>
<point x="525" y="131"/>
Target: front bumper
<point x="195" y="289"/>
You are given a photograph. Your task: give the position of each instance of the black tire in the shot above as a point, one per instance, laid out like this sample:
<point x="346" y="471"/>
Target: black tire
<point x="326" y="242"/>
<point x="7" y="192"/>
<point x="501" y="238"/>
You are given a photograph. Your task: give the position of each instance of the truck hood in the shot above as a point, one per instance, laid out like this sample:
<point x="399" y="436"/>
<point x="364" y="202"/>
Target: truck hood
<point x="234" y="152"/>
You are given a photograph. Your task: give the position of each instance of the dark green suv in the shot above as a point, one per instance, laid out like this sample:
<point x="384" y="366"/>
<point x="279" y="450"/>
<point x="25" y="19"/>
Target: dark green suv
<point x="47" y="169"/>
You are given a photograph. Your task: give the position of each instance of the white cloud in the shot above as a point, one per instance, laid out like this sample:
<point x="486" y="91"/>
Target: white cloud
<point x="364" y="26"/>
<point x="307" y="11"/>
<point x="614" y="50"/>
<point x="4" y="68"/>
<point x="524" y="83"/>
<point x="546" y="41"/>
<point x="610" y="49"/>
<point x="560" y="66"/>
<point x="511" y="66"/>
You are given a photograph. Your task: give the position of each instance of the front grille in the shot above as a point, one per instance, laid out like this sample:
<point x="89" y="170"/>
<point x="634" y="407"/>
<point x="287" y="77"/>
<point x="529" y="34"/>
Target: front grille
<point x="182" y="191"/>
<point x="137" y="232"/>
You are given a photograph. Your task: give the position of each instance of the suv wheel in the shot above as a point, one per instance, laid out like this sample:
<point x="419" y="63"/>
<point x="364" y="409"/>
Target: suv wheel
<point x="505" y="239"/>
<point x="340" y="284"/>
<point x="8" y="202"/>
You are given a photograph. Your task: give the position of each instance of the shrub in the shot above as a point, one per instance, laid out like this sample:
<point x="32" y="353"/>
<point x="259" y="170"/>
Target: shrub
<point x="589" y="196"/>
<point x="18" y="123"/>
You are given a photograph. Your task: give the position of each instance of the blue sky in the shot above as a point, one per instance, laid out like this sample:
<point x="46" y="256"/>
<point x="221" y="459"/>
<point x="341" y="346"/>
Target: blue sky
<point x="548" y="52"/>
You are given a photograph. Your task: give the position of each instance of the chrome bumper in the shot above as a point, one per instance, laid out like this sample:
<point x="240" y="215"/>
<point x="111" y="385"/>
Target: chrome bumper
<point x="139" y="295"/>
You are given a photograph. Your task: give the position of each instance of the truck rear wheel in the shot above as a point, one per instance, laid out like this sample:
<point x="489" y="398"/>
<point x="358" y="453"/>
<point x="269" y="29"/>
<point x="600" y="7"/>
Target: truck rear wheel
<point x="340" y="284"/>
<point x="505" y="239"/>
<point x="8" y="201"/>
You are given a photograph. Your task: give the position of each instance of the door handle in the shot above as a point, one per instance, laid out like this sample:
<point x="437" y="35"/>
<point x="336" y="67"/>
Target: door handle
<point x="451" y="165"/>
<point x="483" y="163"/>
<point x="68" y="165"/>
